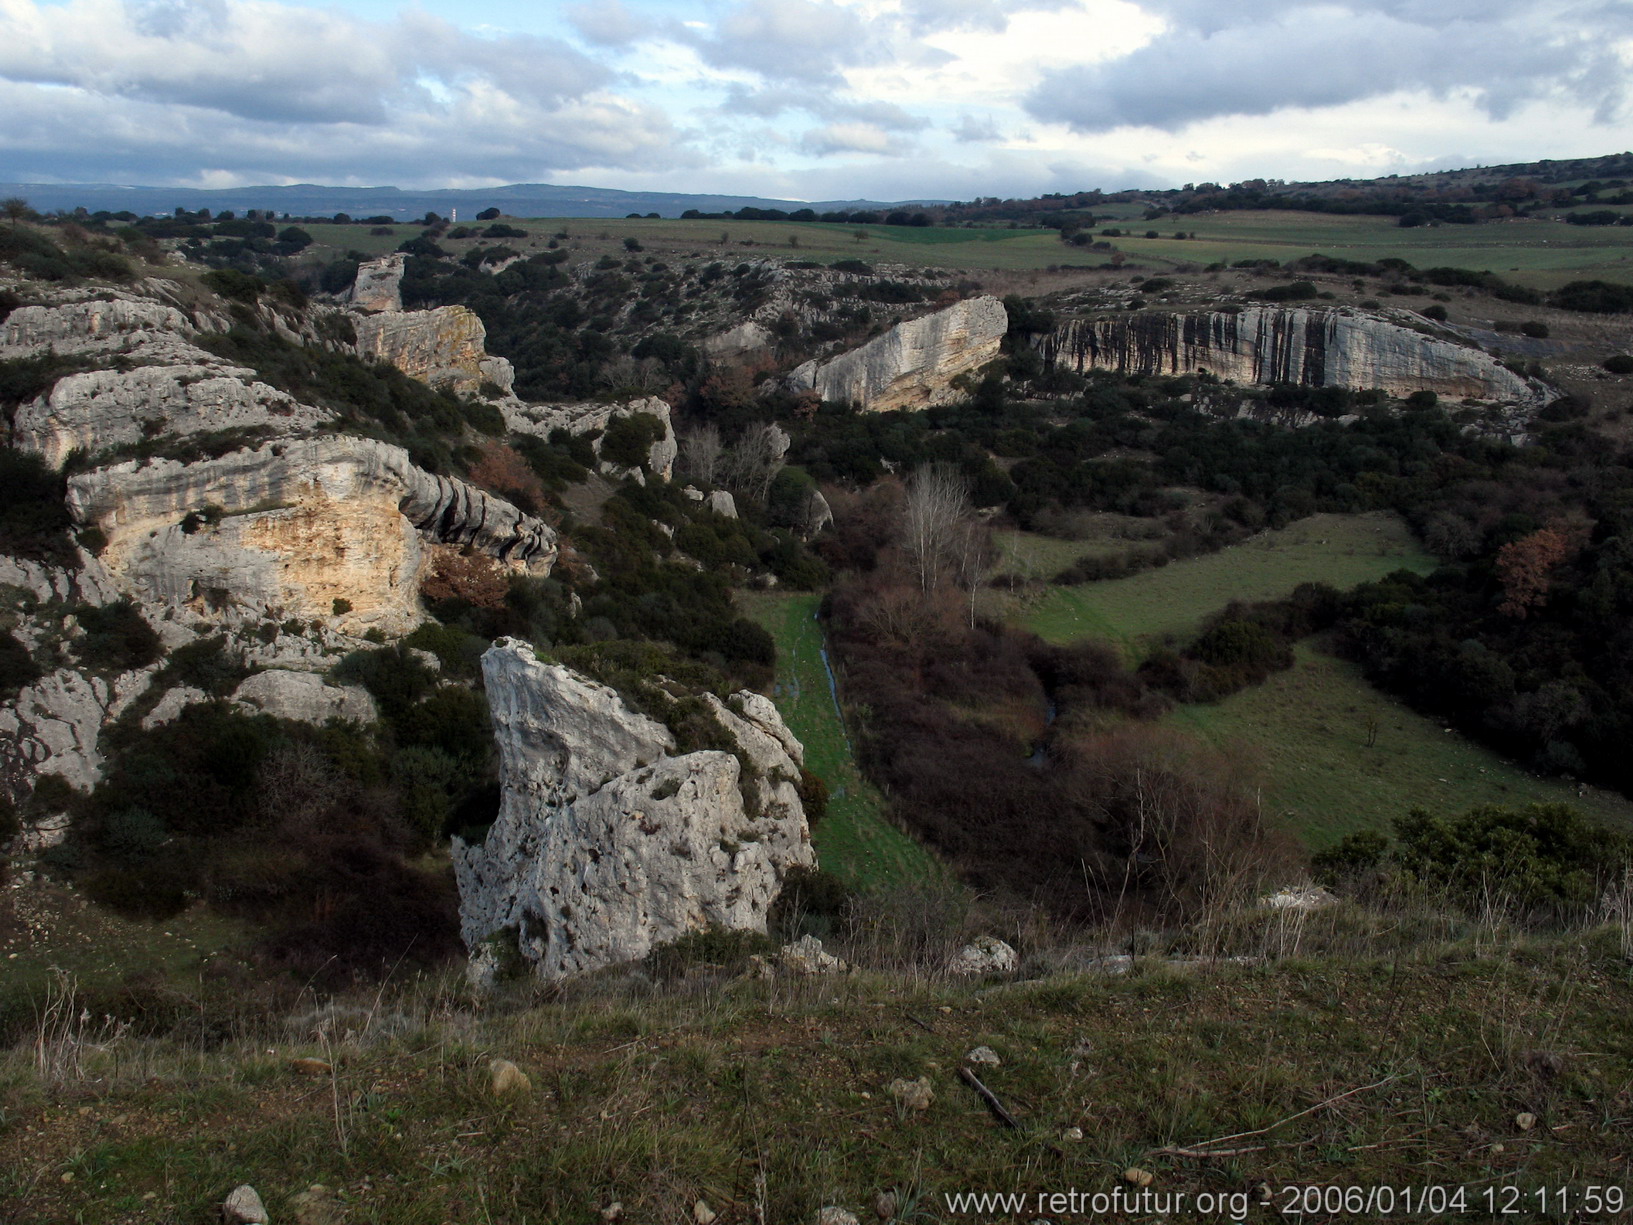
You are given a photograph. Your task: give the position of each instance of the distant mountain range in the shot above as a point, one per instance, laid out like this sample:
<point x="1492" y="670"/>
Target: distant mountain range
<point x="313" y="200"/>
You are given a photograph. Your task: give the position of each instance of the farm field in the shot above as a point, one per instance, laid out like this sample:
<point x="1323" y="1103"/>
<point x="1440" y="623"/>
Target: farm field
<point x="1143" y="610"/>
<point x="1539" y="253"/>
<point x="854" y="840"/>
<point x="1309" y="729"/>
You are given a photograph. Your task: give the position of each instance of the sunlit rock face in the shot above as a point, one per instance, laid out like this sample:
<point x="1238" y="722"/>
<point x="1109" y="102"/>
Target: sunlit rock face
<point x="1312" y="348"/>
<point x="914" y="364"/>
<point x="335" y="528"/>
<point x="607" y="844"/>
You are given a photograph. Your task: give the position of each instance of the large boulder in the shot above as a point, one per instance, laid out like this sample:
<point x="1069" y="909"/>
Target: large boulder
<point x="607" y="844"/>
<point x="445" y="347"/>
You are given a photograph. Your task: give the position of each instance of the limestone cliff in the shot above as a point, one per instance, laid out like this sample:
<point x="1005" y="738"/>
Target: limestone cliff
<point x="445" y="347"/>
<point x="331" y="528"/>
<point x="605" y="844"/>
<point x="541" y="419"/>
<point x="1313" y="348"/>
<point x="914" y="364"/>
<point x="379" y="284"/>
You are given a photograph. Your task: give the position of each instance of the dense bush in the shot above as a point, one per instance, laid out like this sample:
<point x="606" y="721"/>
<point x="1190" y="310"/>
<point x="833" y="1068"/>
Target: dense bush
<point x="116" y="638"/>
<point x="34" y="518"/>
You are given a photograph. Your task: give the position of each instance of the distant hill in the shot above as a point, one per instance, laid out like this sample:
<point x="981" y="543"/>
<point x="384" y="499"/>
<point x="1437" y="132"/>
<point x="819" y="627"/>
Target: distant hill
<point x="314" y="200"/>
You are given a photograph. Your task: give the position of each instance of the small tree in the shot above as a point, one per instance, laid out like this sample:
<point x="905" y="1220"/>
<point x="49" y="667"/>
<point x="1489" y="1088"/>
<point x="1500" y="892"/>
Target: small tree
<point x="16" y="209"/>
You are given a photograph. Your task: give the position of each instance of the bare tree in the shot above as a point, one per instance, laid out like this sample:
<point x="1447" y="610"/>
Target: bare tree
<point x="973" y="558"/>
<point x="753" y="463"/>
<point x="701" y="454"/>
<point x="934" y="512"/>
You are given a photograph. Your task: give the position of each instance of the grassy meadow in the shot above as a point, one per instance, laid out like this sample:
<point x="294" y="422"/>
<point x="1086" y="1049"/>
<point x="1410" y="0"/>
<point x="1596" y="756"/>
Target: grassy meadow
<point x="854" y="840"/>
<point x="1491" y="1064"/>
<point x="1171" y="602"/>
<point x="1338" y="755"/>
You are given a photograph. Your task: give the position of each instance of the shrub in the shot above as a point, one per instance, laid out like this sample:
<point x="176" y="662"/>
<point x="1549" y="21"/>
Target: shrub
<point x="1534" y="329"/>
<point x="1621" y="363"/>
<point x="1542" y="860"/>
<point x="116" y="638"/>
<point x="714" y="947"/>
<point x="628" y="440"/>
<point x="17" y="669"/>
<point x="1435" y="312"/>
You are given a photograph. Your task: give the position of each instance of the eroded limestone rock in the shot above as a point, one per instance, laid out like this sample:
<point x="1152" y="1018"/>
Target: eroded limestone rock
<point x="445" y="347"/>
<point x="541" y="419"/>
<point x="1313" y="348"/>
<point x="325" y="528"/>
<point x="914" y="364"/>
<point x="379" y="284"/>
<point x="304" y="696"/>
<point x="97" y="409"/>
<point x="605" y="844"/>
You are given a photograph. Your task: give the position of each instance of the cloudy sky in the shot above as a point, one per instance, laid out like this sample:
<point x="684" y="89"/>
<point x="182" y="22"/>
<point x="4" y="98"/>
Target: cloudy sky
<point x="805" y="99"/>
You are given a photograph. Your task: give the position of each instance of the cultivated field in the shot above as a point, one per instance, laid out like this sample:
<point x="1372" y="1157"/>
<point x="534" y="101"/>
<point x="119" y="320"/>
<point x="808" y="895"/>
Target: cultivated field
<point x="854" y="840"/>
<point x="1171" y="602"/>
<point x="1539" y="253"/>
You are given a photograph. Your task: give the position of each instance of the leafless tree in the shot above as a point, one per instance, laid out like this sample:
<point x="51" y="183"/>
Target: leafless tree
<point x="753" y="463"/>
<point x="934" y="512"/>
<point x="973" y="558"/>
<point x="701" y="454"/>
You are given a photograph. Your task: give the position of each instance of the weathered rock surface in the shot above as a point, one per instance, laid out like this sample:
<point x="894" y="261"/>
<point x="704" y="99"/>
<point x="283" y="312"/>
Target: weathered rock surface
<point x="304" y="696"/>
<point x="747" y="337"/>
<point x="326" y="528"/>
<point x="98" y="409"/>
<point x="53" y="727"/>
<point x="445" y="347"/>
<point x="541" y="419"/>
<point x="606" y="845"/>
<point x="1312" y="348"/>
<point x="379" y="284"/>
<point x="984" y="955"/>
<point x="93" y="326"/>
<point x="914" y="364"/>
<point x="172" y="704"/>
<point x="722" y="503"/>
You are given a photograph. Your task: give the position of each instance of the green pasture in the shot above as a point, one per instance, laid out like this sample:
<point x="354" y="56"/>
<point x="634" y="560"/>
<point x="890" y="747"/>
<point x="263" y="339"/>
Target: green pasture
<point x="854" y="840"/>
<point x="1338" y="755"/>
<point x="1171" y="602"/>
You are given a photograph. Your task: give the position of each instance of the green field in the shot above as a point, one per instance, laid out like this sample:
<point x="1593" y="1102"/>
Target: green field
<point x="1540" y="253"/>
<point x="854" y="840"/>
<point x="1308" y="729"/>
<point x="1137" y="612"/>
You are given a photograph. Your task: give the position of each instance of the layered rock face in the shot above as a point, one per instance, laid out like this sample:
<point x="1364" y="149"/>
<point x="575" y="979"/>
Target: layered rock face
<point x="914" y="364"/>
<point x="445" y="347"/>
<point x="606" y="845"/>
<point x="1313" y="348"/>
<point x="290" y="528"/>
<point x="542" y="419"/>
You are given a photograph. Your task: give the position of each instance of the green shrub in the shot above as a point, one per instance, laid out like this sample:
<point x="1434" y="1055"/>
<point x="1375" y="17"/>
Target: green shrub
<point x="116" y="638"/>
<point x="1542" y="860"/>
<point x="1621" y="363"/>
<point x="629" y="439"/>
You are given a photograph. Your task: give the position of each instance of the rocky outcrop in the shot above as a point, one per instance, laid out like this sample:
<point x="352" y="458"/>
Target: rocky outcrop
<point x="747" y="337"/>
<point x="914" y="364"/>
<point x="99" y="325"/>
<point x="541" y="419"/>
<point x="606" y="845"/>
<point x="304" y="696"/>
<point x="445" y="347"/>
<point x="379" y="284"/>
<point x="331" y="529"/>
<point x="53" y="727"/>
<point x="107" y="408"/>
<point x="1312" y="348"/>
